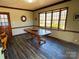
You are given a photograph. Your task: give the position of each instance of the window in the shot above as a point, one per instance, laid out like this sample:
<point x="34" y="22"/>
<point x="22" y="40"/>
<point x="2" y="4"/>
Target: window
<point x="55" y="19"/>
<point x="48" y="19"/>
<point x="63" y="18"/>
<point x="3" y="20"/>
<point x="42" y="19"/>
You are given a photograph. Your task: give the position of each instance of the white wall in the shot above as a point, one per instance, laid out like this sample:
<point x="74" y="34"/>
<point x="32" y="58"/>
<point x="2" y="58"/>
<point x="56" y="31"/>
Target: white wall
<point x="66" y="36"/>
<point x="19" y="31"/>
<point x="15" y="18"/>
<point x="71" y="24"/>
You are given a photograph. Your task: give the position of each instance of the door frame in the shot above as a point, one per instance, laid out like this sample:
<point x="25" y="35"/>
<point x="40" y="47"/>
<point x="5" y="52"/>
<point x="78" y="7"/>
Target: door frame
<point x="9" y="22"/>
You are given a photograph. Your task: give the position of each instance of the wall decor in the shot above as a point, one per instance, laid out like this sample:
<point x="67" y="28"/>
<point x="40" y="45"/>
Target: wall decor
<point x="23" y="18"/>
<point x="76" y="16"/>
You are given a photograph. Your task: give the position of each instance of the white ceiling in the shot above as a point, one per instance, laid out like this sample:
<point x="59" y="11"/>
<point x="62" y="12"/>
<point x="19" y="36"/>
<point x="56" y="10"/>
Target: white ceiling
<point x="25" y="5"/>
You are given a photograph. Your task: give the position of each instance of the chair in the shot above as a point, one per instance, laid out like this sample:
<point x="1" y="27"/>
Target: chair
<point x="4" y="41"/>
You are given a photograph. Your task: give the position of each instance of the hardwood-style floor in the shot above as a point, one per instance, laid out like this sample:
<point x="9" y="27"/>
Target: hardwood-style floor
<point x="23" y="47"/>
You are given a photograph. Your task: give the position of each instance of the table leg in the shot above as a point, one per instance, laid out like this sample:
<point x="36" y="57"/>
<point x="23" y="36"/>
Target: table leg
<point x="38" y="41"/>
<point x="43" y="39"/>
<point x="33" y="36"/>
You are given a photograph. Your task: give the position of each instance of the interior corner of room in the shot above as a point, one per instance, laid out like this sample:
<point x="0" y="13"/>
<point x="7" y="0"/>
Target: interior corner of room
<point x="71" y="32"/>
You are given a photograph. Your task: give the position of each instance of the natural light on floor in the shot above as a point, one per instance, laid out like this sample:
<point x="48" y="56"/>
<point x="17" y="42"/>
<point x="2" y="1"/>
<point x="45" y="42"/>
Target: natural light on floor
<point x="1" y="55"/>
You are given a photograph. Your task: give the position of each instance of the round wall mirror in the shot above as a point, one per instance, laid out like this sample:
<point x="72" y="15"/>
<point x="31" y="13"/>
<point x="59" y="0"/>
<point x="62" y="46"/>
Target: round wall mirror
<point x="23" y="18"/>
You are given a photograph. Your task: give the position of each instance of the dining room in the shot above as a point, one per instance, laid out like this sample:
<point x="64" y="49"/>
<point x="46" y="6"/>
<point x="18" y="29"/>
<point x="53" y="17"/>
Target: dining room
<point x="39" y="29"/>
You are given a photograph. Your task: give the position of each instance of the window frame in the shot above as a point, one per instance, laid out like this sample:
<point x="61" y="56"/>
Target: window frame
<point x="58" y="19"/>
<point x="66" y="18"/>
<point x="8" y="19"/>
<point x="39" y="19"/>
<point x="52" y="18"/>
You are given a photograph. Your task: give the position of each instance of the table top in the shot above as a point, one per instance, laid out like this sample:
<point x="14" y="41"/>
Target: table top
<point x="38" y="31"/>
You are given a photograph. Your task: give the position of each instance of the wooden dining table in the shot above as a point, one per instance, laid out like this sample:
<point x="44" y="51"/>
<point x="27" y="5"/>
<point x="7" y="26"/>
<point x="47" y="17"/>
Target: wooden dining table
<point x="38" y="33"/>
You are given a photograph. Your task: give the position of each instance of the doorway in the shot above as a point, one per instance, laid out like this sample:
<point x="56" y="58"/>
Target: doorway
<point x="5" y="25"/>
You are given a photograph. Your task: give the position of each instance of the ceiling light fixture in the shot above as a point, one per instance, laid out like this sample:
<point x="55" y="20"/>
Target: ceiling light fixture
<point x="30" y="1"/>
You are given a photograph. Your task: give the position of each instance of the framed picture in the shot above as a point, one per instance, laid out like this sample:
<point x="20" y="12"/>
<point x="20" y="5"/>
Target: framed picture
<point x="76" y="17"/>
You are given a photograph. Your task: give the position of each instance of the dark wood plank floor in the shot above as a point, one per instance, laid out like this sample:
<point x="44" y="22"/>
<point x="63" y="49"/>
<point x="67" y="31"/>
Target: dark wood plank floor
<point x="24" y="48"/>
